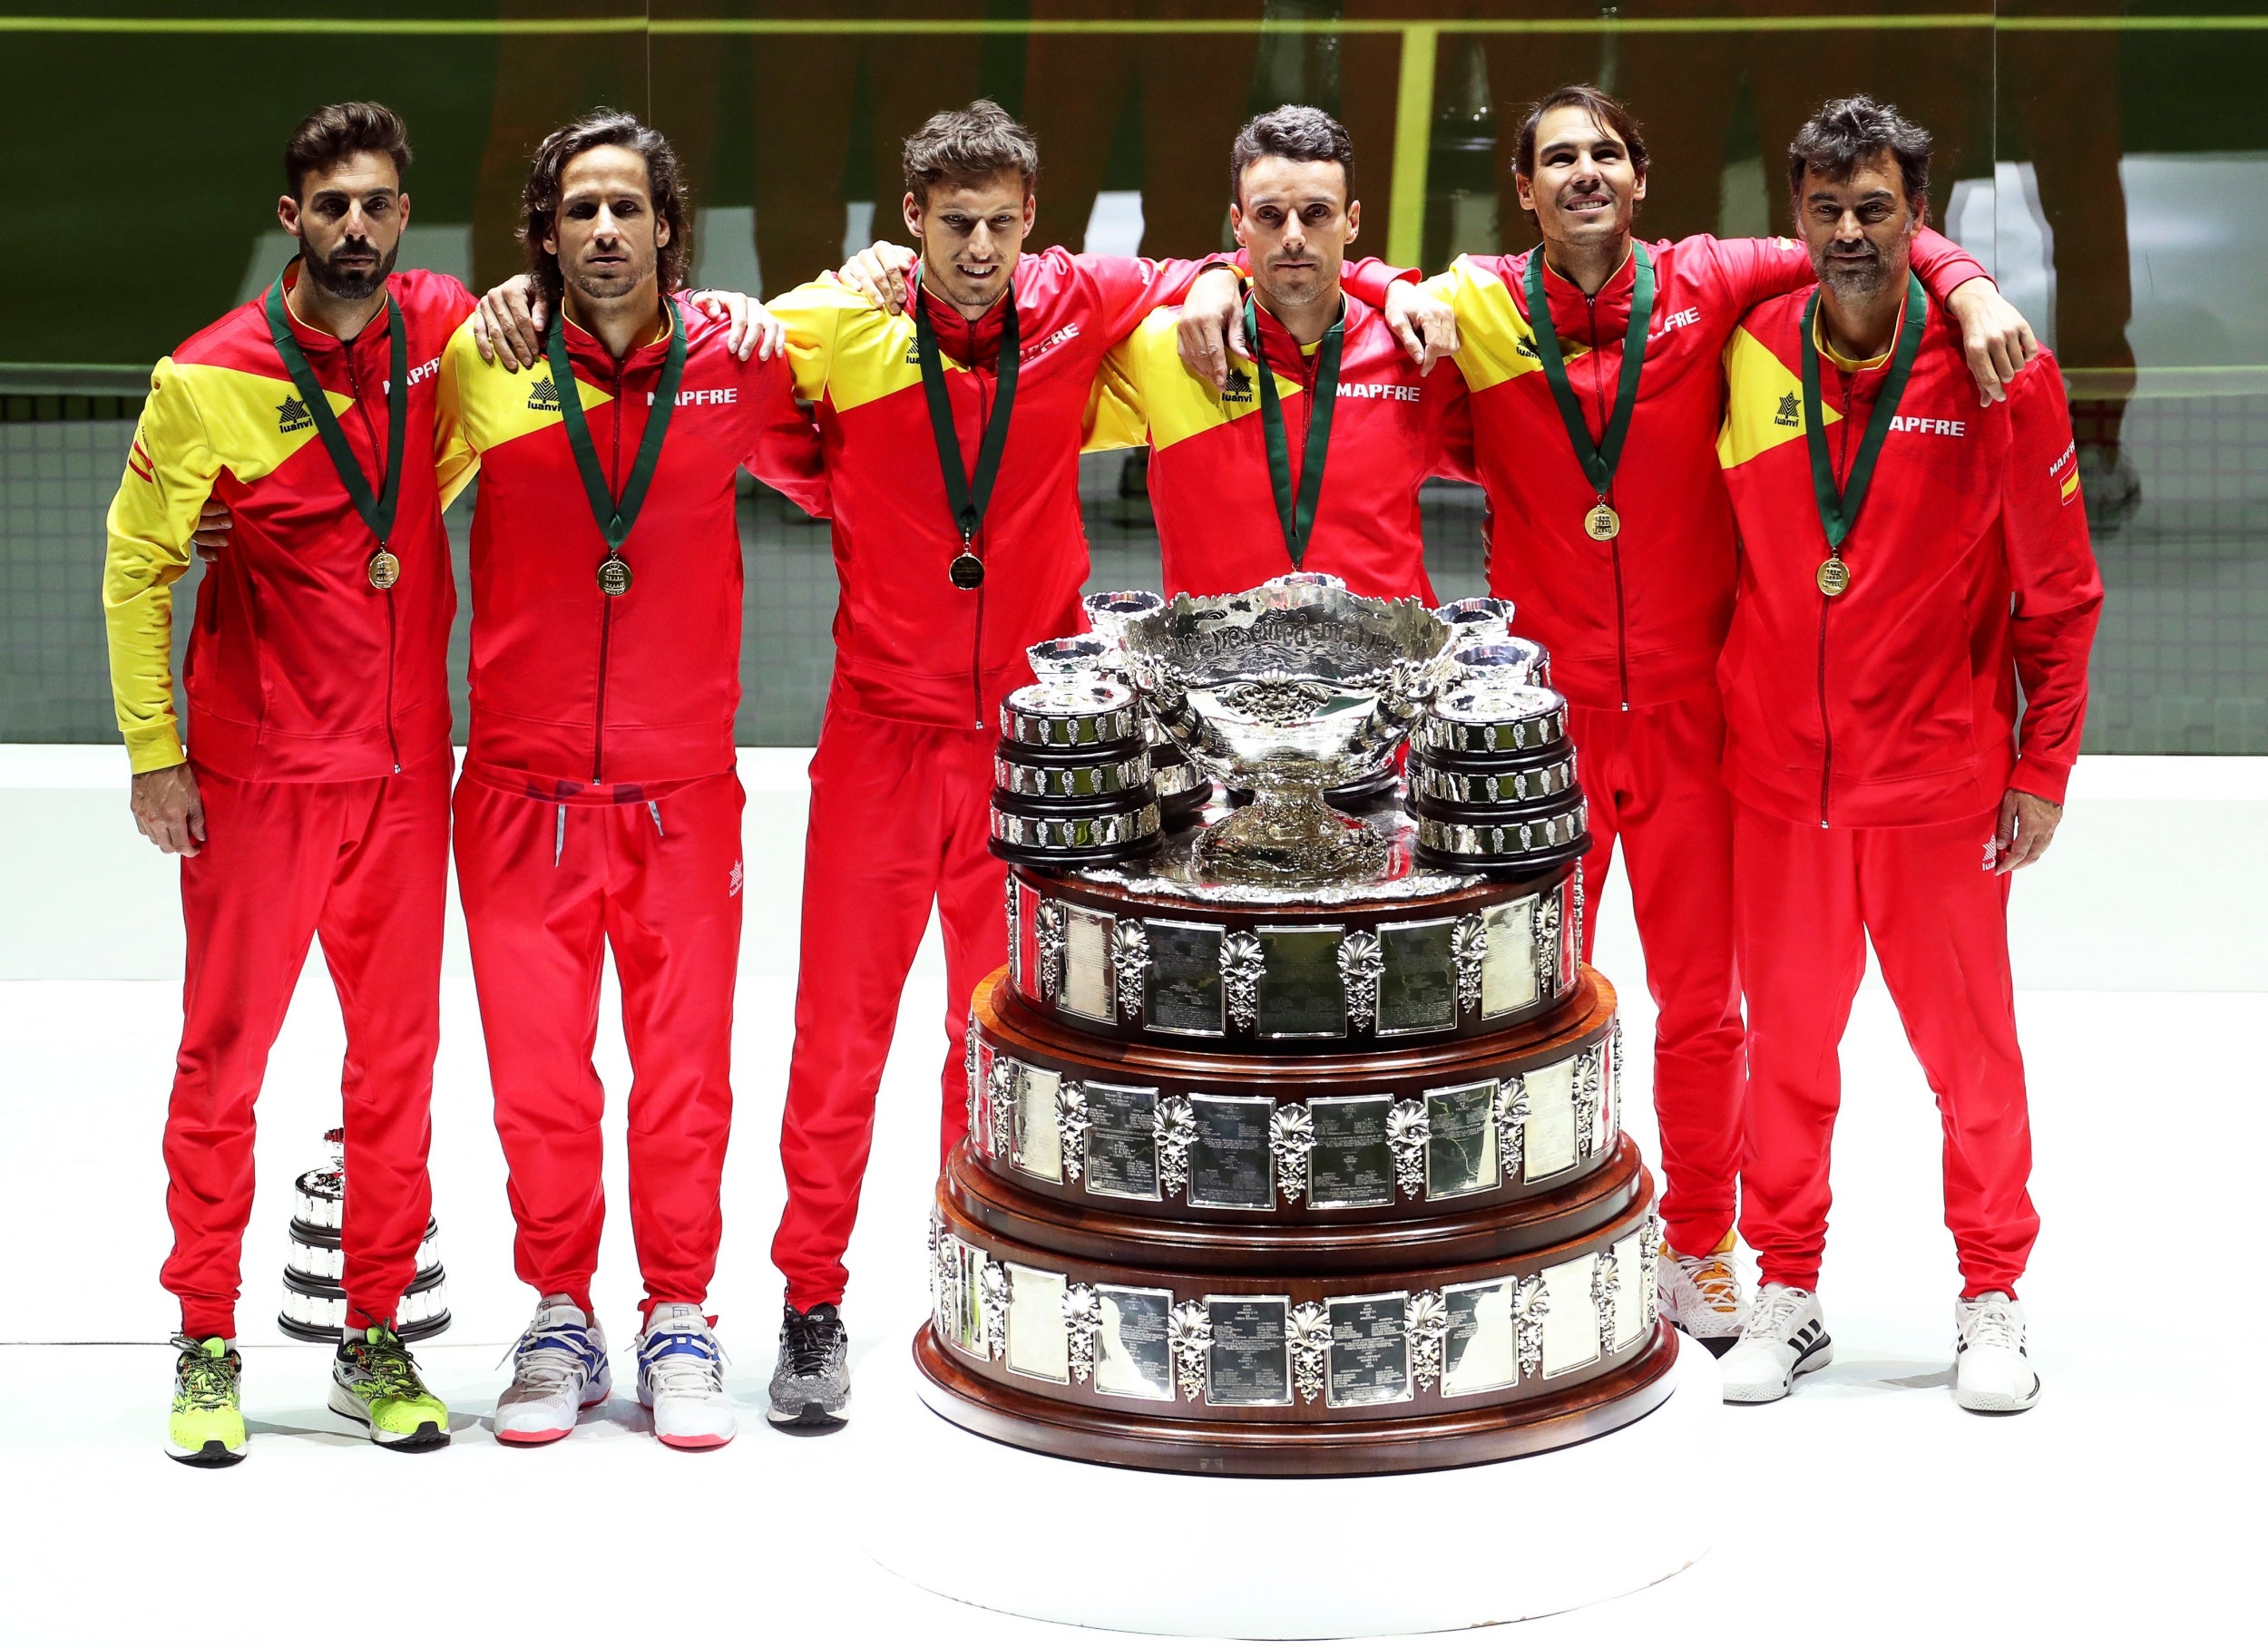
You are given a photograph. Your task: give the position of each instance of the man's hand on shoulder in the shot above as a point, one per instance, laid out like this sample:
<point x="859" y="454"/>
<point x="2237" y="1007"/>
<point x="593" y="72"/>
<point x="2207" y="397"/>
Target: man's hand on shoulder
<point x="1422" y="323"/>
<point x="1211" y="327"/>
<point x="1997" y="339"/>
<point x="755" y="329"/>
<point x="2026" y="825"/>
<point x="883" y="275"/>
<point x="169" y="810"/>
<point x="508" y="326"/>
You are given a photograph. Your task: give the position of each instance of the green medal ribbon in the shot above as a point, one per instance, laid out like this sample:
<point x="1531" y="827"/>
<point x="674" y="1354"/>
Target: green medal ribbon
<point x="615" y="516"/>
<point x="967" y="494"/>
<point x="1297" y="519"/>
<point x="1599" y="461"/>
<point x="1839" y="509"/>
<point x="377" y="512"/>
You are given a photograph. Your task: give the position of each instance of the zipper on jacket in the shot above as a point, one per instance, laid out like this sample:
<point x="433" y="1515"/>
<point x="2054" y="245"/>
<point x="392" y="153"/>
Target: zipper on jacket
<point x="606" y="601"/>
<point x="1826" y="603"/>
<point x="353" y="382"/>
<point x="976" y="641"/>
<point x="1614" y="545"/>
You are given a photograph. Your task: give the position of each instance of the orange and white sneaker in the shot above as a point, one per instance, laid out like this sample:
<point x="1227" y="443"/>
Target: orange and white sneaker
<point x="1703" y="1294"/>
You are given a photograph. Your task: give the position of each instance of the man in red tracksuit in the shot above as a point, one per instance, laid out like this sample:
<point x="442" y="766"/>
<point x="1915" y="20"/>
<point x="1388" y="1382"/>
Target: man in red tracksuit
<point x="310" y="793"/>
<point x="939" y="602"/>
<point x="599" y="805"/>
<point x="1909" y="562"/>
<point x="1625" y="573"/>
<point x="1358" y="420"/>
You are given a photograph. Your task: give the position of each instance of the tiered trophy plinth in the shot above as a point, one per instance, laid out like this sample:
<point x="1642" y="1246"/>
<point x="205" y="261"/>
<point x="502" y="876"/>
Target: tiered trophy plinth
<point x="1293" y="1182"/>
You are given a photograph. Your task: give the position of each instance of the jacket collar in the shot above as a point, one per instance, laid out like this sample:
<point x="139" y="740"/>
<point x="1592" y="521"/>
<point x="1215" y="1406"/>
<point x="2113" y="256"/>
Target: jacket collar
<point x="973" y="343"/>
<point x="593" y="360"/>
<point x="314" y="338"/>
<point x="1576" y="319"/>
<point x="1278" y="347"/>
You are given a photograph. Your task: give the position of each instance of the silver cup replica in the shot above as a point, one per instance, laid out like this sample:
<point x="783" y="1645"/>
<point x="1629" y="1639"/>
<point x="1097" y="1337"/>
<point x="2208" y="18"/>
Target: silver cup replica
<point x="1289" y="690"/>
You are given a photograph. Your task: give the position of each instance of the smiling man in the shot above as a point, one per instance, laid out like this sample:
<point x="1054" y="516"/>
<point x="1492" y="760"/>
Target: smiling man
<point x="1314" y="463"/>
<point x="599" y="805"/>
<point x="1909" y="561"/>
<point x="951" y="435"/>
<point x="308" y="792"/>
<point x="1597" y="391"/>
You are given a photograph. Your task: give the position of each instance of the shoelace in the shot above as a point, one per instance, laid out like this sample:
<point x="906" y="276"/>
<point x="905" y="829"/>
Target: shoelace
<point x="207" y="1381"/>
<point x="1775" y="1310"/>
<point x="808" y="1345"/>
<point x="1993" y="1327"/>
<point x="549" y="1359"/>
<point x="1712" y="1277"/>
<point x="387" y="1366"/>
<point x="681" y="1362"/>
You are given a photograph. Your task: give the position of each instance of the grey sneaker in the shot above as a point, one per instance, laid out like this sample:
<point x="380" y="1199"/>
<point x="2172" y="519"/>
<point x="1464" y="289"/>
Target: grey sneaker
<point x="811" y="1386"/>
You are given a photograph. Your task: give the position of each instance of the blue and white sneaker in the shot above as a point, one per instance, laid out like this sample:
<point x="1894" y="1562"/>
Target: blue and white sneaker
<point x="681" y="1376"/>
<point x="558" y="1369"/>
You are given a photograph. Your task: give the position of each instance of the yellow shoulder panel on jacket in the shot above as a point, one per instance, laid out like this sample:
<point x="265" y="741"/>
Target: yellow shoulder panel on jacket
<point x="253" y="423"/>
<point x="1118" y="412"/>
<point x="843" y="350"/>
<point x="1177" y="405"/>
<point x="1763" y="402"/>
<point x="486" y="406"/>
<point x="1496" y="342"/>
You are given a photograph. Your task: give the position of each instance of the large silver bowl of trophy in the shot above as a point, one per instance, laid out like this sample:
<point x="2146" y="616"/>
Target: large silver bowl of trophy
<point x="1289" y="690"/>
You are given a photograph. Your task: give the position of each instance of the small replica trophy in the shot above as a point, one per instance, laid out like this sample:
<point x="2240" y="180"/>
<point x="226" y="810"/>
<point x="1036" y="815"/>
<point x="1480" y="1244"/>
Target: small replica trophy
<point x="314" y="1296"/>
<point x="1293" y="1142"/>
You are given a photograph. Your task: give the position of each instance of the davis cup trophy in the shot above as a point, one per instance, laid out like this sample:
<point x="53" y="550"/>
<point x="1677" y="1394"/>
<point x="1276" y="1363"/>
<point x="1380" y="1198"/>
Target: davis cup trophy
<point x="1292" y="1125"/>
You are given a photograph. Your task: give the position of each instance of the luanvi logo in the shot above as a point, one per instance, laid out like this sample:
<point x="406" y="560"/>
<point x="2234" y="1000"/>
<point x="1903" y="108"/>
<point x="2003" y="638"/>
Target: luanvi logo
<point x="544" y="395"/>
<point x="1238" y="388"/>
<point x="733" y="882"/>
<point x="291" y="417"/>
<point x="1787" y="416"/>
<point x="1525" y="345"/>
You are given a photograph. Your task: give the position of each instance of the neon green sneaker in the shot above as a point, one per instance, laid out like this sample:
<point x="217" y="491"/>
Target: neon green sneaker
<point x="373" y="1380"/>
<point x="207" y="1426"/>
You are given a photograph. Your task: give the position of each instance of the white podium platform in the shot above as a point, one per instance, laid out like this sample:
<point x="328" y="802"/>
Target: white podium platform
<point x="1172" y="1555"/>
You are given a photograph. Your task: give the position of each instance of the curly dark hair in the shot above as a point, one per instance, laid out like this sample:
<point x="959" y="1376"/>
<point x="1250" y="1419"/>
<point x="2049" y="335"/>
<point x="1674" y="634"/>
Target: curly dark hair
<point x="964" y="146"/>
<point x="600" y="129"/>
<point x="335" y="131"/>
<point x="1610" y="115"/>
<point x="1293" y="132"/>
<point x="1848" y="132"/>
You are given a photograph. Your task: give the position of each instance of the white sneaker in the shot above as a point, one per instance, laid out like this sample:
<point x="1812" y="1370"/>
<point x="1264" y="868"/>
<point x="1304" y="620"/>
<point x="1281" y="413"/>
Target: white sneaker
<point x="1992" y="1372"/>
<point x="681" y="1376"/>
<point x="1701" y="1294"/>
<point x="558" y="1369"/>
<point x="1785" y="1336"/>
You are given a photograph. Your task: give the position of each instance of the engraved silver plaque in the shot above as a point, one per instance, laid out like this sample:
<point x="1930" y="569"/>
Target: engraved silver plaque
<point x="1630" y="1312"/>
<point x="1570" y="1327"/>
<point x="1418" y="991"/>
<point x="1230" y="1161"/>
<point x="1035" y="1141"/>
<point x="1550" y="1134"/>
<point x="1480" y="1351"/>
<point x="1184" y="997"/>
<point x="964" y="1318"/>
<point x="1301" y="993"/>
<point x="1039" y="1346"/>
<point x="1350" y="1163"/>
<point x="1370" y="1350"/>
<point x="1134" y="1342"/>
<point x="1250" y="1365"/>
<point x="1508" y="973"/>
<point x="1122" y="1142"/>
<point x="1087" y="973"/>
<point x="1460" y="1140"/>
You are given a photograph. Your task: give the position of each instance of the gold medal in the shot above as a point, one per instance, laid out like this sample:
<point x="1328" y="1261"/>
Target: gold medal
<point x="613" y="575"/>
<point x="1602" y="523"/>
<point x="1834" y="576"/>
<point x="385" y="568"/>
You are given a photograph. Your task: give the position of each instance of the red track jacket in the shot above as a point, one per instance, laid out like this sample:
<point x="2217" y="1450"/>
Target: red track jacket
<point x="1209" y="484"/>
<point x="1636" y="620"/>
<point x="908" y="645"/>
<point x="572" y="688"/>
<point x="1894" y="703"/>
<point x="297" y="669"/>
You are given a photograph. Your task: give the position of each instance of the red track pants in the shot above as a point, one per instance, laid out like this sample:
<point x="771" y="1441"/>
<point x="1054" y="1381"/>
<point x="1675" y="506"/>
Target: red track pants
<point x="546" y="888"/>
<point x="366" y="865"/>
<point x="1653" y="779"/>
<point x="900" y="818"/>
<point x="1809" y="900"/>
